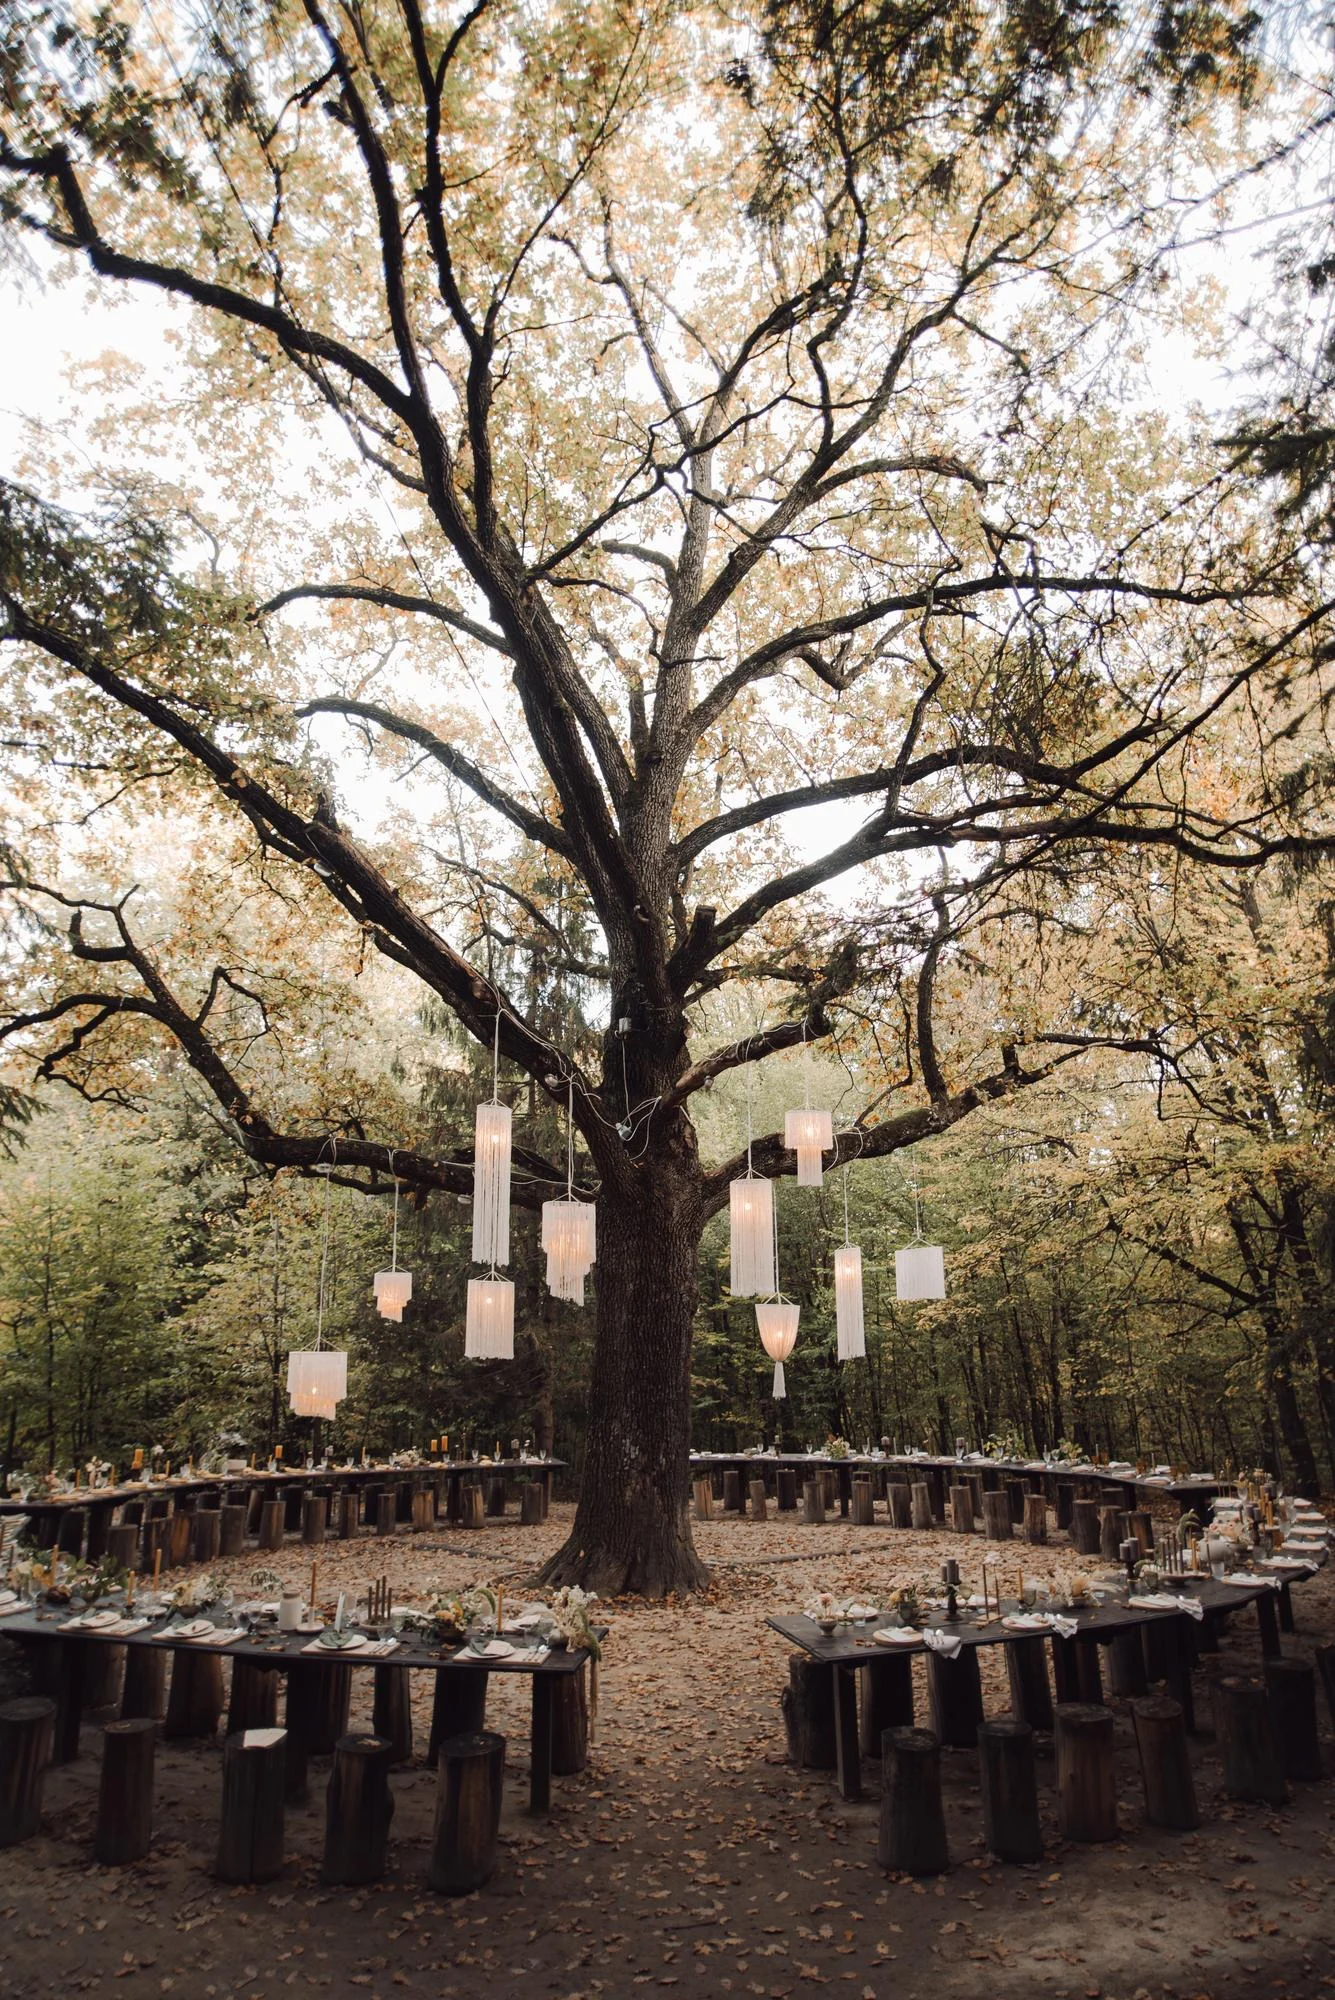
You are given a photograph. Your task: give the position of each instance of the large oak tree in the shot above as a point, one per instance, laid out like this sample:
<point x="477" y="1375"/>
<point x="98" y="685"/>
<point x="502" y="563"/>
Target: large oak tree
<point x="747" y="390"/>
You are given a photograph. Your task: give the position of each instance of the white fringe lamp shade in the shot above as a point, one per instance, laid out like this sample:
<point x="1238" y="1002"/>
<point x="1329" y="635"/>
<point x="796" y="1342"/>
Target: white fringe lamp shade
<point x="569" y="1238"/>
<point x="489" y="1328"/>
<point x="751" y="1215"/>
<point x="808" y="1133"/>
<point x="920" y="1272"/>
<point x="393" y="1289"/>
<point x="317" y="1382"/>
<point x="850" y="1333"/>
<point x="491" y="1184"/>
<point x="777" y="1321"/>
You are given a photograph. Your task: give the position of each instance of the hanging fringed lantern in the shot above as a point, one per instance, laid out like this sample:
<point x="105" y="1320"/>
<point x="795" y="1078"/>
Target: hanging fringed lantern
<point x="489" y="1329"/>
<point x="491" y="1184"/>
<point x="317" y="1378"/>
<point x="751" y="1219"/>
<point x="393" y="1288"/>
<point x="317" y="1382"/>
<point x="850" y="1334"/>
<point x="920" y="1272"/>
<point x="568" y="1237"/>
<point x="569" y="1227"/>
<point x="777" y="1321"/>
<point x="808" y="1133"/>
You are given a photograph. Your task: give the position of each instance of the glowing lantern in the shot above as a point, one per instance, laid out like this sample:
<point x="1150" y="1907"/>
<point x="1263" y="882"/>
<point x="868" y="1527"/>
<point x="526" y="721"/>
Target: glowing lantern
<point x="568" y="1237"/>
<point x="920" y="1272"/>
<point x="491" y="1184"/>
<point x="317" y="1382"/>
<point x="393" y="1288"/>
<point x="777" y="1321"/>
<point x="489" y="1328"/>
<point x="809" y="1134"/>
<point x="751" y="1216"/>
<point x="850" y="1334"/>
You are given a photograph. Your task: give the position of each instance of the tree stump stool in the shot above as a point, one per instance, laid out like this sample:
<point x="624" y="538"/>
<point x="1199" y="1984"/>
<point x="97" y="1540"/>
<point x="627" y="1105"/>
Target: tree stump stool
<point x="887" y="1701"/>
<point x="911" y="1838"/>
<point x="997" y="1523"/>
<point x="1325" y="1664"/>
<point x="787" y="1483"/>
<point x="1126" y="1664"/>
<point x="358" y="1809"/>
<point x="901" y="1505"/>
<point x="468" y="1812"/>
<point x="195" y="1698"/>
<point x="206" y="1536"/>
<point x="250" y="1824"/>
<point x="1035" y="1519"/>
<point x="756" y="1491"/>
<point x="144" y="1690"/>
<point x="955" y="1695"/>
<point x="254" y="1697"/>
<point x="530" y="1504"/>
<point x="1086" y="1784"/>
<point x="27" y="1735"/>
<point x="123" y="1545"/>
<point x="570" y="1723"/>
<point x="124" y="1830"/>
<point x="808" y="1713"/>
<point x="231" y="1530"/>
<point x="318" y="1693"/>
<point x="961" y="1510"/>
<point x="1112" y="1526"/>
<point x="180" y="1539"/>
<point x="104" y="1672"/>
<point x="920" y="1504"/>
<point x="392" y="1713"/>
<point x="387" y="1509"/>
<point x="1290" y="1686"/>
<point x="154" y="1544"/>
<point x="1246" y="1737"/>
<point x="472" y="1512"/>
<point x="1027" y="1674"/>
<point x="271" y="1525"/>
<point x="1008" y="1775"/>
<point x="1165" y="1767"/>
<point x="314" y="1517"/>
<point x="702" y="1493"/>
<point x="459" y="1707"/>
<point x="813" y="1504"/>
<point x="1085" y="1526"/>
<point x="864" y="1503"/>
<point x="1075" y="1669"/>
<point x="732" y="1490"/>
<point x="345" y="1517"/>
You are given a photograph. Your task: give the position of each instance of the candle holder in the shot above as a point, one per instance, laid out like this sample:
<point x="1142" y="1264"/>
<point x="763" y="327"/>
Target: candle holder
<point x="950" y="1576"/>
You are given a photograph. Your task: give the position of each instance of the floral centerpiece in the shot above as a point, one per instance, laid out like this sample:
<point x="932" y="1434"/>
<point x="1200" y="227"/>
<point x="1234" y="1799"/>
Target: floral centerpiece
<point x="571" y="1615"/>
<point x="908" y="1604"/>
<point x="837" y="1447"/>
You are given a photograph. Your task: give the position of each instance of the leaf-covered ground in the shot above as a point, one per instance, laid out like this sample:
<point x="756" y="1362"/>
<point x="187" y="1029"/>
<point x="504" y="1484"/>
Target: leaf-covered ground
<point x="689" y="1855"/>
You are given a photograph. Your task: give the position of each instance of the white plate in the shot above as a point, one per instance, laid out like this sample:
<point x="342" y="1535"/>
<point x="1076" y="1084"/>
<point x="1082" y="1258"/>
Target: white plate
<point x="495" y="1649"/>
<point x="896" y="1635"/>
<point x="1024" y="1621"/>
<point x="196" y="1629"/>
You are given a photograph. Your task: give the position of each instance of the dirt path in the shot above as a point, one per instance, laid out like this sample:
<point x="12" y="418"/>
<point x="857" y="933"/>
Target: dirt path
<point x="689" y="1855"/>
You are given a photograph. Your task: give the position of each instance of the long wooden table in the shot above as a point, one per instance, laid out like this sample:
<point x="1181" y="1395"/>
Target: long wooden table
<point x="1188" y="1493"/>
<point x="63" y="1676"/>
<point x="850" y="1648"/>
<point x="53" y="1516"/>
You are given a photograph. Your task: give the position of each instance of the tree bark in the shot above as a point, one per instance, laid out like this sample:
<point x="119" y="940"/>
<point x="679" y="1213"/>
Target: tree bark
<point x="632" y="1530"/>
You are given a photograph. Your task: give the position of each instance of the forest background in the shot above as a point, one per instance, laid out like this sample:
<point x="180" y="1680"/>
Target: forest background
<point x="1140" y="1248"/>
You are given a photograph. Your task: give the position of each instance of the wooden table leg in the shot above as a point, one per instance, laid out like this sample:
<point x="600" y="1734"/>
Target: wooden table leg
<point x="846" y="1731"/>
<point x="540" y="1780"/>
<point x="1179" y="1646"/>
<point x="1286" y="1623"/>
<point x="1267" y="1619"/>
<point x="68" y="1691"/>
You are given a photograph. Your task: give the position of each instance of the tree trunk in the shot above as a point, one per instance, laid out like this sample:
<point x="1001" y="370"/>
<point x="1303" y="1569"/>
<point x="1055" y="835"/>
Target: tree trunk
<point x="631" y="1530"/>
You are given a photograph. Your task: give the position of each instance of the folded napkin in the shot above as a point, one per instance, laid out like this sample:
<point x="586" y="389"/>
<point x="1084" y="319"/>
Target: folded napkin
<point x="1308" y="1567"/>
<point x="1241" y="1581"/>
<point x="1164" y="1600"/>
<point x="124" y="1626"/>
<point x="8" y="1610"/>
<point x="9" y="1597"/>
<point x="937" y="1641"/>
<point x="217" y="1635"/>
<point x="90" y="1621"/>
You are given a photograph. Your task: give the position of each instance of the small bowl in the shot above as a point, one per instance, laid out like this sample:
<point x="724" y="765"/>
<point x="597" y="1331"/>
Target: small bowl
<point x="827" y="1626"/>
